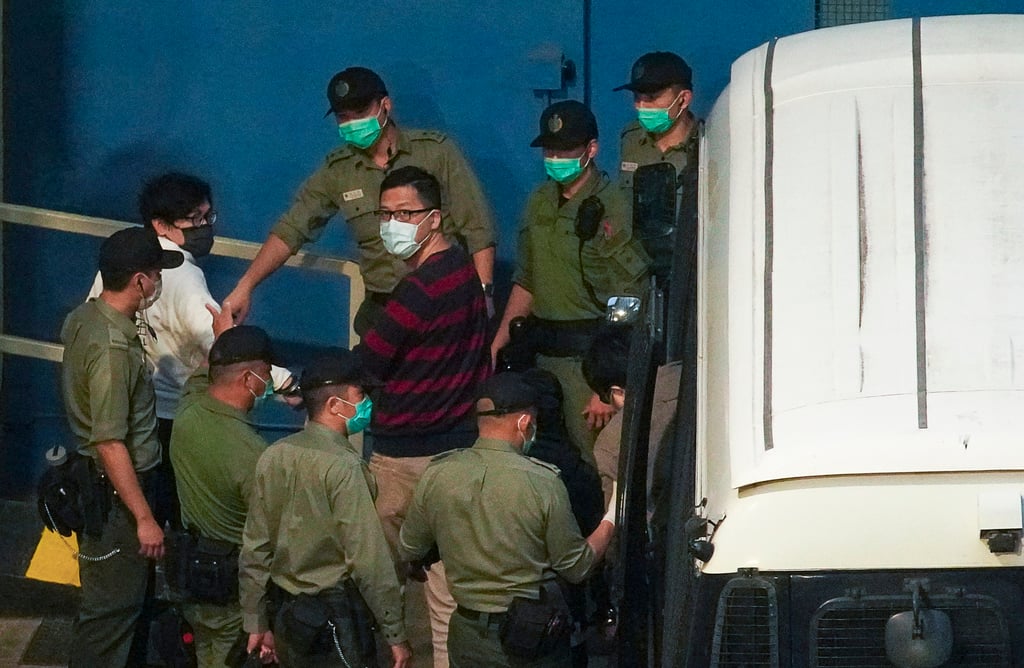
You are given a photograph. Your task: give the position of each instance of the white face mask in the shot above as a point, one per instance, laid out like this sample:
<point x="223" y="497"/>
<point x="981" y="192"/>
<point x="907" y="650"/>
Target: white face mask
<point x="400" y="238"/>
<point x="150" y="300"/>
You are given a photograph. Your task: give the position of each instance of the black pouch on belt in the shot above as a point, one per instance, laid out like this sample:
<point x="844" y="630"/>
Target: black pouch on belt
<point x="303" y="621"/>
<point x="533" y="628"/>
<point x="352" y="618"/>
<point x="202" y="569"/>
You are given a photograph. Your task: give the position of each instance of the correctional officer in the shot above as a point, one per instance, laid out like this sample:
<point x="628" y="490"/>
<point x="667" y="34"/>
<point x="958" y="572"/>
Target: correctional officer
<point x="576" y="249"/>
<point x="502" y="524"/>
<point x="349" y="182"/>
<point x="215" y="450"/>
<point x="110" y="405"/>
<point x="312" y="528"/>
<point x="664" y="131"/>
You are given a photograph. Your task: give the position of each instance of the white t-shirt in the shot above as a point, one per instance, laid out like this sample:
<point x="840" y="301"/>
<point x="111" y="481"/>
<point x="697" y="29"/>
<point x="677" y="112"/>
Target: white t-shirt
<point x="184" y="330"/>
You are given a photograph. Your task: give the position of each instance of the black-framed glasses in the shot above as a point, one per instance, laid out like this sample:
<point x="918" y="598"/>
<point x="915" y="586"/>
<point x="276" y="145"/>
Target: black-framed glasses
<point x="201" y="219"/>
<point x="401" y="215"/>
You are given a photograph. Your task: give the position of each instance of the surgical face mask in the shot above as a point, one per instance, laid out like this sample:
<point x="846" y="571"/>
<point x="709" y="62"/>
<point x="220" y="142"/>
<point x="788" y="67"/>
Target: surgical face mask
<point x="268" y="387"/>
<point x="657" y="119"/>
<point x="198" y="240"/>
<point x="564" y="170"/>
<point x="528" y="442"/>
<point x="362" y="132"/>
<point x="400" y="238"/>
<point x="151" y="299"/>
<point x="361" y="419"/>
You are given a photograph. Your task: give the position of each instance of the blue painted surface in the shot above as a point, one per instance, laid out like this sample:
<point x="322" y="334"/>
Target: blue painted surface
<point x="100" y="96"/>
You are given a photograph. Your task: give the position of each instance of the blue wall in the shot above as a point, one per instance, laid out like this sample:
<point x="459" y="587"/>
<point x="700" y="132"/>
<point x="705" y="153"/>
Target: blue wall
<point x="100" y="96"/>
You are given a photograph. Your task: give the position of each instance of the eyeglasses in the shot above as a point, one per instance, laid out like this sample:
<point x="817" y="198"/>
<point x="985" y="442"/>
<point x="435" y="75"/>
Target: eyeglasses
<point x="201" y="220"/>
<point x="401" y="215"/>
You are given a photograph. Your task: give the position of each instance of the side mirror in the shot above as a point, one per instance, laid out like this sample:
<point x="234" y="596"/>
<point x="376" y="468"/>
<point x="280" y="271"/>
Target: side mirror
<point x="624" y="310"/>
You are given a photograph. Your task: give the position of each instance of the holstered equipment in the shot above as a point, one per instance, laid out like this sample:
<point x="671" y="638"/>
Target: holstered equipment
<point x="333" y="621"/>
<point x="534" y="628"/>
<point x="202" y="570"/>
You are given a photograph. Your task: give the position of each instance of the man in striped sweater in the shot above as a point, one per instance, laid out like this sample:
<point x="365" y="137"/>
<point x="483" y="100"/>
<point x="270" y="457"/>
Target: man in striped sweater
<point x="429" y="350"/>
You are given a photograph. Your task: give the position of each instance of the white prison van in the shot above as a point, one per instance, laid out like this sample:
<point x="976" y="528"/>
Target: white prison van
<point x="850" y="419"/>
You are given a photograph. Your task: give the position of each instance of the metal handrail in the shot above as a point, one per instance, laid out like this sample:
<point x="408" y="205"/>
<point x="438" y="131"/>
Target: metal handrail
<point x="104" y="227"/>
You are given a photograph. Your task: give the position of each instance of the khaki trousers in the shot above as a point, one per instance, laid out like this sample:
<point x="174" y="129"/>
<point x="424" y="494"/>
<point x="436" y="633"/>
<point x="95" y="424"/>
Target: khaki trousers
<point x="396" y="480"/>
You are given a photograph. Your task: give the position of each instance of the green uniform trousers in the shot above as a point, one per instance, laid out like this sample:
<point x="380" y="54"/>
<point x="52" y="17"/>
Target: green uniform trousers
<point x="475" y="644"/>
<point x="576" y="393"/>
<point x="113" y="592"/>
<point x="216" y="628"/>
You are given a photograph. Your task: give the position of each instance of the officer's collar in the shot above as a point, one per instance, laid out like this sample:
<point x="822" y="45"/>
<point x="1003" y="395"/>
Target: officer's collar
<point x="328" y="435"/>
<point x="123" y="323"/>
<point x="685" y="145"/>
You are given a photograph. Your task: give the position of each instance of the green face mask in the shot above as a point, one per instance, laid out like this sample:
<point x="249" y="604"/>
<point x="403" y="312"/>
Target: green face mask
<point x="564" y="170"/>
<point x="657" y="120"/>
<point x="362" y="132"/>
<point x="268" y="387"/>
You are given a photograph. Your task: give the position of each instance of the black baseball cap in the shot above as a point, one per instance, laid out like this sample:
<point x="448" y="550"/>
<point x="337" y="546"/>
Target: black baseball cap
<point x="136" y="249"/>
<point x="566" y="124"/>
<point x="353" y="89"/>
<point x="335" y="367"/>
<point x="656" y="71"/>
<point x="244" y="343"/>
<point x="506" y="393"/>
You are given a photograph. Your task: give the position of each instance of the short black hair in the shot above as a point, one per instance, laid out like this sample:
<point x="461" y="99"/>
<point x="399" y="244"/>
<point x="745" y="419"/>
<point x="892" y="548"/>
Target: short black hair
<point x="423" y="182"/>
<point x="172" y="196"/>
<point x="315" y="399"/>
<point x="606" y="362"/>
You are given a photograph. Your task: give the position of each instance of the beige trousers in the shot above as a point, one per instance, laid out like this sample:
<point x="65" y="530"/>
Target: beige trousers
<point x="396" y="480"/>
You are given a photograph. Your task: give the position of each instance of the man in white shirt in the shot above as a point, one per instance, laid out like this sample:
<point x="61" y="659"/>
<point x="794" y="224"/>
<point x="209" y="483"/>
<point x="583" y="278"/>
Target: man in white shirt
<point x="176" y="331"/>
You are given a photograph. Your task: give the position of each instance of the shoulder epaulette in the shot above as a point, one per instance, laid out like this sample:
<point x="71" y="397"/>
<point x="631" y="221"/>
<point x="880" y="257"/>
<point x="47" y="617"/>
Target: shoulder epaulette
<point x="548" y="465"/>
<point x="340" y="153"/>
<point x="446" y="453"/>
<point x="117" y="338"/>
<point x="427" y="135"/>
<point x="630" y="127"/>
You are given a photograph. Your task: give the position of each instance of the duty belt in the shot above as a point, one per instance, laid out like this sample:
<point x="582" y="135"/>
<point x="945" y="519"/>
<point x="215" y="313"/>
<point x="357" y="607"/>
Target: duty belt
<point x="486" y="618"/>
<point x="562" y="338"/>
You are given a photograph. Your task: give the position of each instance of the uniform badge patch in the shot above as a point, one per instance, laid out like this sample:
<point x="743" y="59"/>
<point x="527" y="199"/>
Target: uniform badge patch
<point x="554" y="123"/>
<point x="341" y="89"/>
<point x="606" y="226"/>
<point x="352" y="194"/>
<point x="628" y="166"/>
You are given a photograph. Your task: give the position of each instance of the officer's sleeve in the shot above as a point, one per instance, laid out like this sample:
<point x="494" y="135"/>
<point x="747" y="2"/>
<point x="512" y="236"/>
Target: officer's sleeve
<point x="469" y="213"/>
<point x="245" y="468"/>
<point x="107" y="370"/>
<point x="366" y="550"/>
<point x="614" y="260"/>
<point x="569" y="554"/>
<point x="254" y="561"/>
<point x="416" y="537"/>
<point x="313" y="206"/>
<point x="523" y="274"/>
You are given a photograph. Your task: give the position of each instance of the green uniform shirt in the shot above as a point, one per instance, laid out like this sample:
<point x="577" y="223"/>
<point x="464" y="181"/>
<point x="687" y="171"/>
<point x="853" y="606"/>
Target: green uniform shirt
<point x="553" y="268"/>
<point x="638" y="148"/>
<point x="214" y="452"/>
<point x="108" y="390"/>
<point x="312" y="523"/>
<point x="349" y="182"/>
<point x="501" y="521"/>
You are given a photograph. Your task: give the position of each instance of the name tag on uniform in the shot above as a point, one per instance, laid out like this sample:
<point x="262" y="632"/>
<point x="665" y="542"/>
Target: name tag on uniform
<point x="628" y="166"/>
<point x="358" y="193"/>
